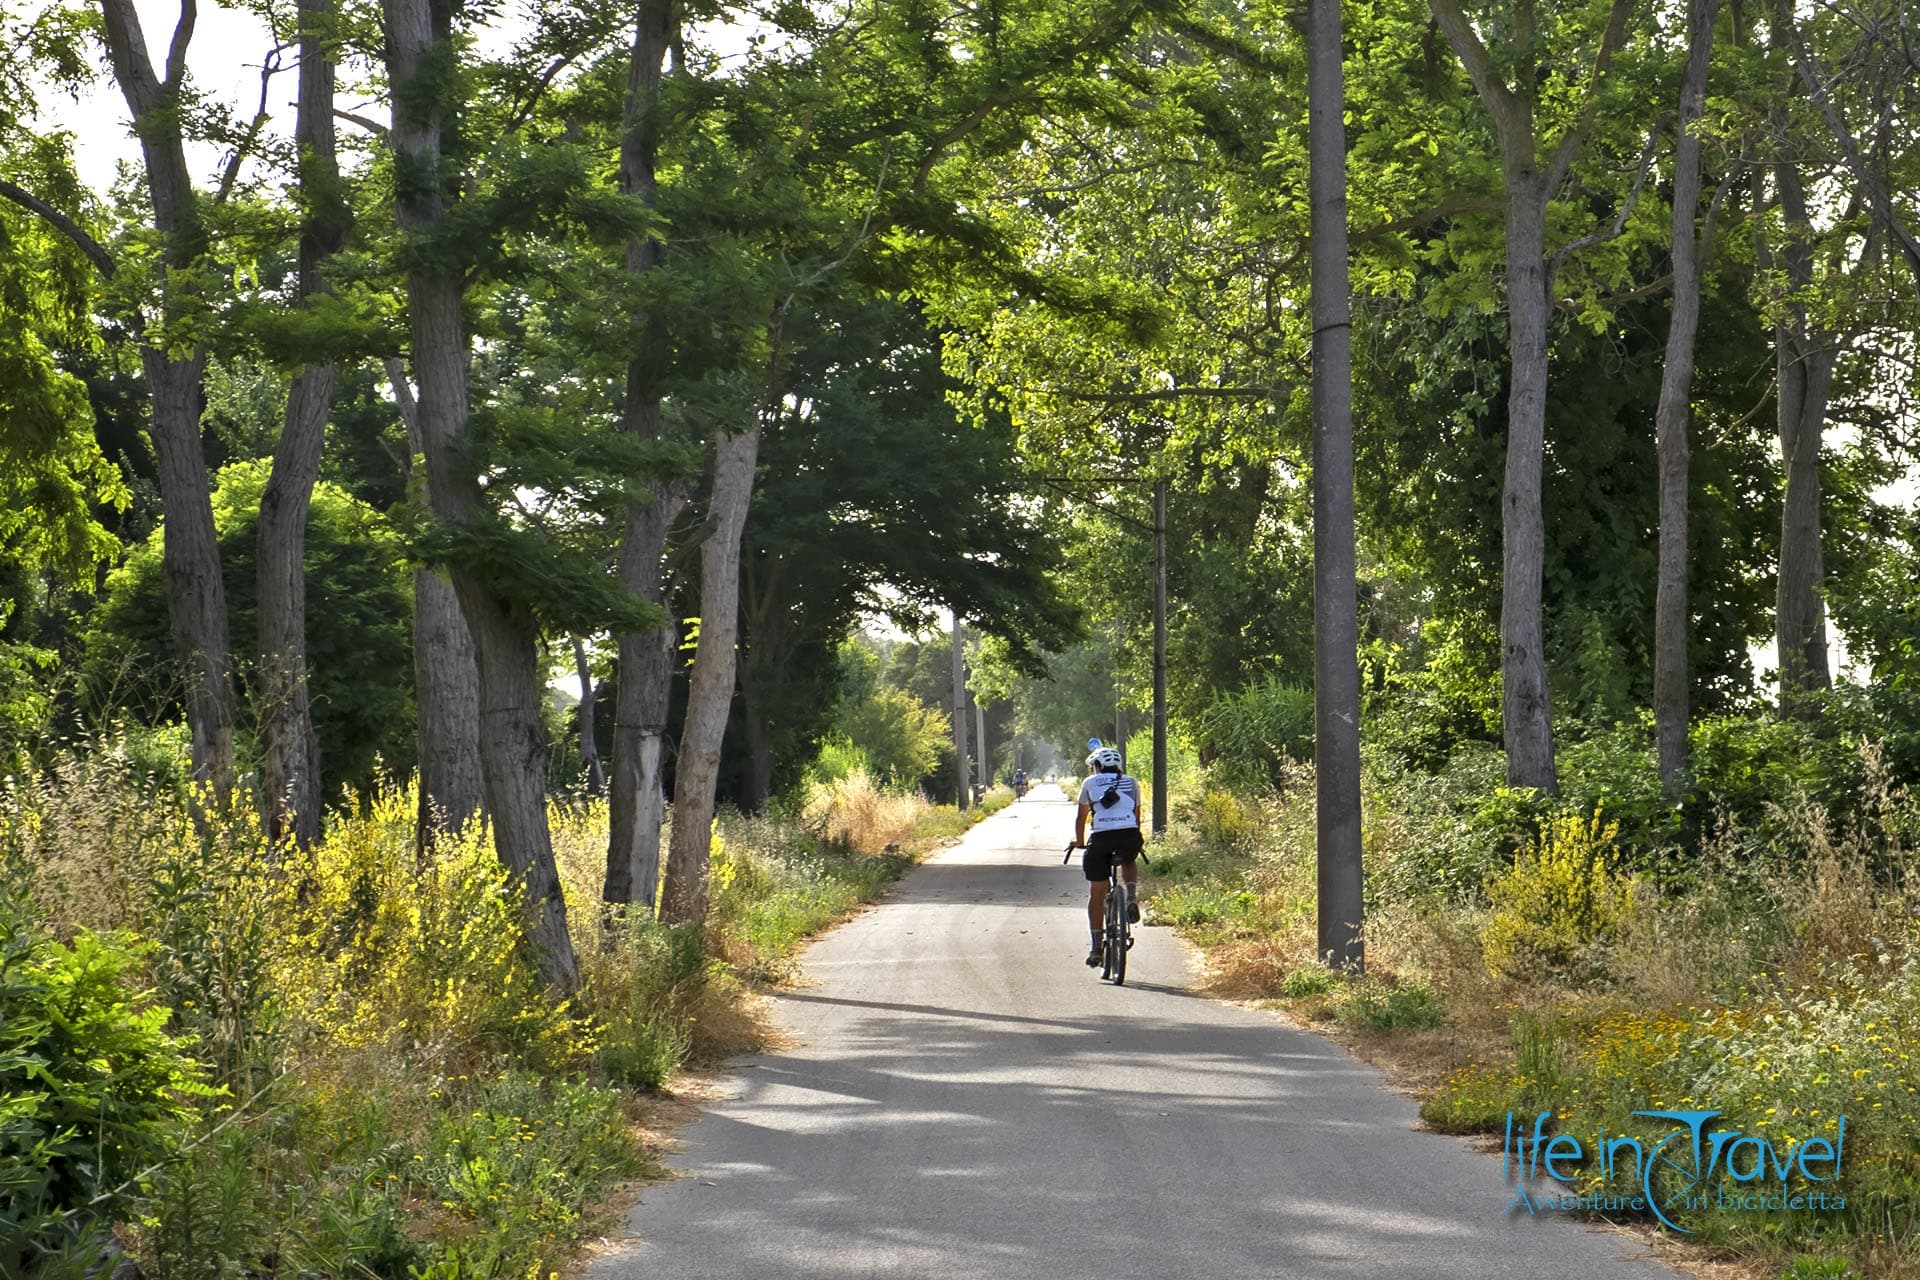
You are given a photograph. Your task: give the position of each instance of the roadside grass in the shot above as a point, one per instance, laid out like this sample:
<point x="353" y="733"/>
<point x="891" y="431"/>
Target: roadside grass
<point x="368" y="1079"/>
<point x="1776" y="981"/>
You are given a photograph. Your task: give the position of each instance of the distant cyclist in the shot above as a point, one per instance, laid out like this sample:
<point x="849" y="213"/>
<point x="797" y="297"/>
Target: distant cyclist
<point x="1019" y="782"/>
<point x="1112" y="799"/>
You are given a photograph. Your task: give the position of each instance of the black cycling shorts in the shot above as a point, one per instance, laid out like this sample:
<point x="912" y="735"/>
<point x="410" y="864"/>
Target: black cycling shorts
<point x="1104" y="846"/>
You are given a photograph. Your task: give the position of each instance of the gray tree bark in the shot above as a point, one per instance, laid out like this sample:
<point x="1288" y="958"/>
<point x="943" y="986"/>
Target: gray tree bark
<point x="1804" y="358"/>
<point x="1526" y="705"/>
<point x="589" y="744"/>
<point x="1672" y="628"/>
<point x="446" y="685"/>
<point x="506" y="653"/>
<point x="1336" y="661"/>
<point x="710" y="691"/>
<point x="638" y="802"/>
<point x="290" y="769"/>
<point x="196" y="596"/>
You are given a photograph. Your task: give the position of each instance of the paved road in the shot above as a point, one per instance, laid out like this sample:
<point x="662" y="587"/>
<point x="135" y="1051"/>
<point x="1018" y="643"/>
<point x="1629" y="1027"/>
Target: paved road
<point x="966" y="1099"/>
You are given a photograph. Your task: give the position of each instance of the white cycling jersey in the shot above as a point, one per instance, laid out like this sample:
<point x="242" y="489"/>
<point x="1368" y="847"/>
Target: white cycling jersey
<point x="1124" y="812"/>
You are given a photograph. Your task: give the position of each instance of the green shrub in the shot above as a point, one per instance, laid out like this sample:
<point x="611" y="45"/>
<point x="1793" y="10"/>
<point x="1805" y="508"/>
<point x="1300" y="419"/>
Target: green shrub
<point x="361" y="678"/>
<point x="639" y="986"/>
<point x="1221" y="821"/>
<point x="1309" y="980"/>
<point x="1615" y="769"/>
<point x="1248" y="736"/>
<point x="1370" y="1005"/>
<point x="1200" y="902"/>
<point x="1557" y="899"/>
<point x="1473" y="1100"/>
<point x="522" y="1157"/>
<point x="93" y="1090"/>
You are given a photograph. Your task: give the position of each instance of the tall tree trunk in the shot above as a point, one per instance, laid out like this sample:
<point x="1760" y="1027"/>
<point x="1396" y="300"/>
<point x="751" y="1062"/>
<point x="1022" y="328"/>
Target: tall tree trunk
<point x="589" y="745"/>
<point x="1526" y="708"/>
<point x="196" y="596"/>
<point x="446" y="685"/>
<point x="759" y="779"/>
<point x="291" y="754"/>
<point x="638" y="793"/>
<point x="420" y="58"/>
<point x="637" y="811"/>
<point x="1803" y="367"/>
<point x="1804" y="374"/>
<point x="1803" y="378"/>
<point x="710" y="691"/>
<point x="1336" y="656"/>
<point x="1671" y="628"/>
<point x="962" y="793"/>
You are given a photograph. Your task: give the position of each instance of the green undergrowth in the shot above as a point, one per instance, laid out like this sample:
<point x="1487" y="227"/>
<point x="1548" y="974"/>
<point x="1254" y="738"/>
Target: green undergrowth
<point x="1528" y="956"/>
<point x="341" y="1063"/>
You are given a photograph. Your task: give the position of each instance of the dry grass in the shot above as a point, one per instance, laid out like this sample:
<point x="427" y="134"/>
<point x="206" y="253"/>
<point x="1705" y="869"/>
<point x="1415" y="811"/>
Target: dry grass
<point x="855" y="812"/>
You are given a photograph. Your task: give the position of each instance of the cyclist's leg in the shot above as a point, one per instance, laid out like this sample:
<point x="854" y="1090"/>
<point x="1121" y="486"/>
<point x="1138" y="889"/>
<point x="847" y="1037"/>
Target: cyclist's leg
<point x="1130" y="875"/>
<point x="1093" y="863"/>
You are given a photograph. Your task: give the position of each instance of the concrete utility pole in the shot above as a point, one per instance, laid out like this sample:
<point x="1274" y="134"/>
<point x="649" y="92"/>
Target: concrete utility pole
<point x="1159" y="656"/>
<point x="960" y="771"/>
<point x="1336" y="663"/>
<point x="980" y="745"/>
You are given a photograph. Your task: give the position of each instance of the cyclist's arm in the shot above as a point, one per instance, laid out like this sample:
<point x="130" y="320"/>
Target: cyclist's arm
<point x="1080" y="822"/>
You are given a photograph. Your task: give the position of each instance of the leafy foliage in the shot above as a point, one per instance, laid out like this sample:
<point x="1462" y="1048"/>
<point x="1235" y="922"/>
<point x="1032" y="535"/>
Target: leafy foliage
<point x="358" y="607"/>
<point x="94" y="1091"/>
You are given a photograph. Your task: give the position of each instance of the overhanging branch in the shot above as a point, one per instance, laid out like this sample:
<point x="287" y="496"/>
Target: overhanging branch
<point x="62" y="223"/>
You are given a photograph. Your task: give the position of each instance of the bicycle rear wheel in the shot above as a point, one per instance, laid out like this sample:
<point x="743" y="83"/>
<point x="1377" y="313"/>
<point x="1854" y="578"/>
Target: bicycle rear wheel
<point x="1117" y="940"/>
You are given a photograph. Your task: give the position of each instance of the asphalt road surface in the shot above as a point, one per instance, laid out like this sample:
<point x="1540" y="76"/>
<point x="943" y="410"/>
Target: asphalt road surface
<point x="964" y="1098"/>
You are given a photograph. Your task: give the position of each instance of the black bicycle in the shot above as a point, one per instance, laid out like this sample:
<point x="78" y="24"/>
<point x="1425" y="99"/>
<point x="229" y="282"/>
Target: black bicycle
<point x="1116" y="939"/>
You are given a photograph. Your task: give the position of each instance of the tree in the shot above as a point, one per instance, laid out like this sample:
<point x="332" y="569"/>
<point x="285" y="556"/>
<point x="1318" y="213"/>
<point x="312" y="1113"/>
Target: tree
<point x="290" y="769"/>
<point x="445" y="681"/>
<point x="1532" y="179"/>
<point x="900" y="736"/>
<point x="421" y="61"/>
<point x="1672" y="628"/>
<point x="646" y="658"/>
<point x="710" y="692"/>
<point x="876" y="495"/>
<point x="351" y="565"/>
<point x="174" y="357"/>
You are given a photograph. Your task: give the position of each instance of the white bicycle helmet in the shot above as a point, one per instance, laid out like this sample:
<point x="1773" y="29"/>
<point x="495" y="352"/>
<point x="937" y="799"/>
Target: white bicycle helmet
<point x="1103" y="759"/>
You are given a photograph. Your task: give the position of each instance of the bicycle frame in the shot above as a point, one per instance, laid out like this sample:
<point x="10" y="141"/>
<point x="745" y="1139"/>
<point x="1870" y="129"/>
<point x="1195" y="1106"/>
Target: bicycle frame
<point x="1116" y="938"/>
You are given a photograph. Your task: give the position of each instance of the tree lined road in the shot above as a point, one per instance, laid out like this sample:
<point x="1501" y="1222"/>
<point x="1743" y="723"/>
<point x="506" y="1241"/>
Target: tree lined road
<point x="964" y="1098"/>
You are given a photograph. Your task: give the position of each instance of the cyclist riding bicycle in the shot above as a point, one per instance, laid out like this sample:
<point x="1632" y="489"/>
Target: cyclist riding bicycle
<point x="1111" y="799"/>
<point x="1019" y="782"/>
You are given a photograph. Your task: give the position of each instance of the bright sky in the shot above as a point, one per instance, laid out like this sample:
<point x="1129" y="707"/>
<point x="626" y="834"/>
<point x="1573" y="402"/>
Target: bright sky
<point x="229" y="47"/>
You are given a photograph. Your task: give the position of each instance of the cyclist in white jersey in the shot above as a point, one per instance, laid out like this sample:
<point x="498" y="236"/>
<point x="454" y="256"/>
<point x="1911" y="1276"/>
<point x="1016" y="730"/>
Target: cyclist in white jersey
<point x="1109" y="799"/>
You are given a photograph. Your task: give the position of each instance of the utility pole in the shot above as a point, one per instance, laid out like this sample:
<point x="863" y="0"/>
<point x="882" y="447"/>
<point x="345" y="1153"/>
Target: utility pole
<point x="1336" y="660"/>
<point x="1159" y="656"/>
<point x="963" y="792"/>
<point x="980" y="745"/>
